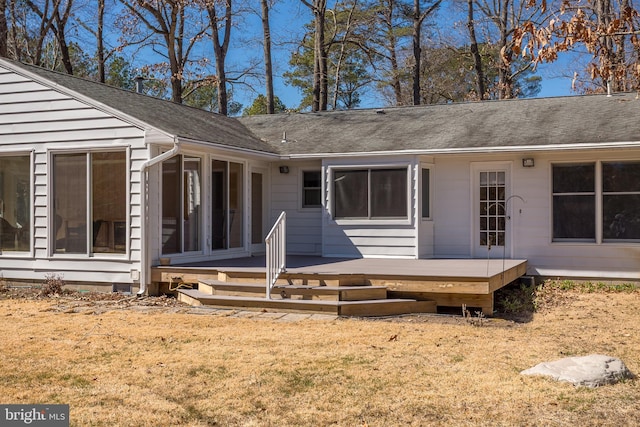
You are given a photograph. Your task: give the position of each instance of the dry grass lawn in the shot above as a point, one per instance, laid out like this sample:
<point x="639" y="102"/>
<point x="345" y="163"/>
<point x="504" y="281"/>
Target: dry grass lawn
<point x="170" y="367"/>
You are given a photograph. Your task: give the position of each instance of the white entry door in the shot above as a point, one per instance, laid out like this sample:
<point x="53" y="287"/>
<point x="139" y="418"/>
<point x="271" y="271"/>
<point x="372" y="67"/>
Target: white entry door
<point x="491" y="211"/>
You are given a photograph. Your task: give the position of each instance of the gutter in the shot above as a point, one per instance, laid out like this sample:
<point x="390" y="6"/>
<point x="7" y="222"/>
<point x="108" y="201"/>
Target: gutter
<point x="145" y="262"/>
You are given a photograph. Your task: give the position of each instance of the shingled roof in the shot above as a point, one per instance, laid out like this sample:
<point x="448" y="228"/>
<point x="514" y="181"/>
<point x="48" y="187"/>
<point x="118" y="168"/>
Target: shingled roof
<point x="553" y="123"/>
<point x="588" y="121"/>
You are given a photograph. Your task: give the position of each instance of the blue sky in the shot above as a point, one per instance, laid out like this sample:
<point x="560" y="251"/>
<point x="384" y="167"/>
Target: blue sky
<point x="287" y="20"/>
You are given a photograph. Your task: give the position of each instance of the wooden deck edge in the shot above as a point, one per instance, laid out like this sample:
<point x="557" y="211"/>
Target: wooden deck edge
<point x="342" y="308"/>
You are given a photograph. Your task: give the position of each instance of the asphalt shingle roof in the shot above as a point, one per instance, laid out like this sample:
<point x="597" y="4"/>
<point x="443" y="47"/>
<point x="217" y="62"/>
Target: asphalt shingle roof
<point x="521" y="123"/>
<point x="593" y="119"/>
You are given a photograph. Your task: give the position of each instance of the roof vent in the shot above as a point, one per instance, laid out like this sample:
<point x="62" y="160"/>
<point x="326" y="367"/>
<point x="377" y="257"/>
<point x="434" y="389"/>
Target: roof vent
<point x="284" y="137"/>
<point x="139" y="84"/>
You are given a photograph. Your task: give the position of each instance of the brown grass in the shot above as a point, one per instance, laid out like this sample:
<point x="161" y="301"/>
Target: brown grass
<point x="170" y="367"/>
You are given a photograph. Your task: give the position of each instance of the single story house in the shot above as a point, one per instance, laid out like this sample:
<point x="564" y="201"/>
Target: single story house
<point x="99" y="184"/>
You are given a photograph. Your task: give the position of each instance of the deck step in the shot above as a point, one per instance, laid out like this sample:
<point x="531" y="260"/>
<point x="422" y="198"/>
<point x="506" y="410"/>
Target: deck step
<point x="303" y="292"/>
<point x="378" y="307"/>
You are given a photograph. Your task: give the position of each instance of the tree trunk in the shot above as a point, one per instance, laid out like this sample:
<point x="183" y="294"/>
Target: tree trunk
<point x="505" y="82"/>
<point x="4" y="30"/>
<point x="220" y="48"/>
<point x="60" y="32"/>
<point x="268" y="66"/>
<point x="100" y="38"/>
<point x="417" y="51"/>
<point x="477" y="59"/>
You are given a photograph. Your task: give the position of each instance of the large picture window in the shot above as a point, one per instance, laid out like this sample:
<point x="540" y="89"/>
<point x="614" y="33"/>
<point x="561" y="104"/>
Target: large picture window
<point x="370" y="193"/>
<point x="90" y="202"/>
<point x="15" y="203"/>
<point x="576" y="190"/>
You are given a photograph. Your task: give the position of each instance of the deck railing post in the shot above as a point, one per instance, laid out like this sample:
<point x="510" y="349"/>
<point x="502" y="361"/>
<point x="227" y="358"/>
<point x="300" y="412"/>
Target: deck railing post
<point x="276" y="252"/>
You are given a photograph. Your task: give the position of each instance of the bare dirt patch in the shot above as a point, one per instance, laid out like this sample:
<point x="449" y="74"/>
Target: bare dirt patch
<point x="119" y="362"/>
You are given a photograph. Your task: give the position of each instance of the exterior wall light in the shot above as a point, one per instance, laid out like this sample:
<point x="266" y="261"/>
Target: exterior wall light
<point x="528" y="162"/>
<point x="284" y="169"/>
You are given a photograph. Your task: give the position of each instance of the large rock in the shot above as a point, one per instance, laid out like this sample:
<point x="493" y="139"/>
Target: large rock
<point x="588" y="371"/>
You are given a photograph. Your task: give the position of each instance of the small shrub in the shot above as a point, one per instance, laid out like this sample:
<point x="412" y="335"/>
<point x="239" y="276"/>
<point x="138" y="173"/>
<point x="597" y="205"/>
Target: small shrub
<point x="53" y="284"/>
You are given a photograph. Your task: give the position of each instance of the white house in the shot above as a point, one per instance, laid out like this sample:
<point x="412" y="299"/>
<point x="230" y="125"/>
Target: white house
<point x="98" y="184"/>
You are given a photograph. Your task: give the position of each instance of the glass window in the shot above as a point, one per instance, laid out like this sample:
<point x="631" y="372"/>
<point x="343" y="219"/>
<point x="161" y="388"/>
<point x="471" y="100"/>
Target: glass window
<point x="426" y="196"/>
<point x="181" y="182"/>
<point x="227" y="204"/>
<point x="109" y="195"/>
<point x="15" y="203"/>
<point x="90" y="202"/>
<point x="620" y="201"/>
<point x="370" y="193"/>
<point x="574" y="202"/>
<point x="311" y="189"/>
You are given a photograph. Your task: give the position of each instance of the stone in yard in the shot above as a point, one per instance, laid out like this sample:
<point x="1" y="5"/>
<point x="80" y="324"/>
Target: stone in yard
<point x="588" y="371"/>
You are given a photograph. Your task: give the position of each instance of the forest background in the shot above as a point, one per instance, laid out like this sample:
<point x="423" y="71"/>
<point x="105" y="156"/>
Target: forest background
<point x="267" y="56"/>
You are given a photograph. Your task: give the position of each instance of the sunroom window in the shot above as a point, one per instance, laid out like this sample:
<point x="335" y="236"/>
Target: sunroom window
<point x="15" y="205"/>
<point x="370" y="193"/>
<point x="90" y="202"/>
<point x="181" y="204"/>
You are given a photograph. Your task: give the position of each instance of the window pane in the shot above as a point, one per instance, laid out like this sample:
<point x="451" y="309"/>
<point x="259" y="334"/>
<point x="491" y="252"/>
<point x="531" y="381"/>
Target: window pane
<point x="350" y="194"/>
<point x="219" y="204"/>
<point x="70" y="202"/>
<point x="311" y="179"/>
<point x="236" y="189"/>
<point x="426" y="213"/>
<point x="578" y="178"/>
<point x="621" y="217"/>
<point x="109" y="203"/>
<point x="311" y="189"/>
<point x="257" y="233"/>
<point x="388" y="193"/>
<point x="15" y="205"/>
<point x="574" y="217"/>
<point x="620" y="177"/>
<point x="192" y="205"/>
<point x="171" y="202"/>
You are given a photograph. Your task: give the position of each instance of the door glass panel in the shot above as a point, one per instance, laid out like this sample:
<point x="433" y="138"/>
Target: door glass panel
<point x="257" y="234"/>
<point x="236" y="197"/>
<point x="218" y="204"/>
<point x="192" y="205"/>
<point x="70" y="202"/>
<point x="492" y="221"/>
<point x="171" y="229"/>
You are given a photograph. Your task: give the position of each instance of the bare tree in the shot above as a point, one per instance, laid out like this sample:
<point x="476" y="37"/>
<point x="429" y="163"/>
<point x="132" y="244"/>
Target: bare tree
<point x="418" y="16"/>
<point x="220" y="49"/>
<point x="169" y="26"/>
<point x="4" y="30"/>
<point x="320" y="80"/>
<point x="475" y="52"/>
<point x="268" y="66"/>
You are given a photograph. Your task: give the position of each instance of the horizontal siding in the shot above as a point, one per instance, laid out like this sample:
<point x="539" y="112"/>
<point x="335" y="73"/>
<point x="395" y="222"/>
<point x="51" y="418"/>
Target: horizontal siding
<point x="304" y="226"/>
<point x="39" y="119"/>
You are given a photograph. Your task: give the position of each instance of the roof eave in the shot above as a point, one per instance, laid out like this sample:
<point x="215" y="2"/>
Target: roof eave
<point x="472" y="150"/>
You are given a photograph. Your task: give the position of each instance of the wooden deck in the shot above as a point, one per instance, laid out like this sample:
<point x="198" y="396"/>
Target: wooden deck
<point x="447" y="282"/>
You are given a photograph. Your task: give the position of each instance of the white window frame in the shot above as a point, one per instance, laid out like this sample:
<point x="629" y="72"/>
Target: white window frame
<point x="430" y="168"/>
<point x="28" y="253"/>
<point x="51" y="206"/>
<point x="303" y="188"/>
<point x="369" y="221"/>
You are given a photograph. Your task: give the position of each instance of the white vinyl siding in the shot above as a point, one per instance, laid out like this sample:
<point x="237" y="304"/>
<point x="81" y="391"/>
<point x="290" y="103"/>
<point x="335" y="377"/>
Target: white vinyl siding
<point x="40" y="120"/>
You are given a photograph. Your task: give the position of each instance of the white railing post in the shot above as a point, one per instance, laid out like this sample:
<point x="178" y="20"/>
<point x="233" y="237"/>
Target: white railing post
<point x="276" y="248"/>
